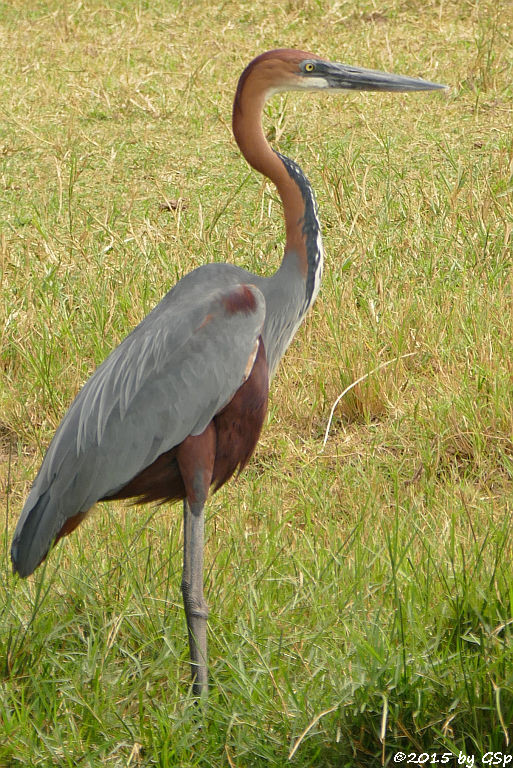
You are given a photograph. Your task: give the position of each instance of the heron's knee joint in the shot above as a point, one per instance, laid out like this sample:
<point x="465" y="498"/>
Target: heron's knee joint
<point x="200" y="613"/>
<point x="195" y="605"/>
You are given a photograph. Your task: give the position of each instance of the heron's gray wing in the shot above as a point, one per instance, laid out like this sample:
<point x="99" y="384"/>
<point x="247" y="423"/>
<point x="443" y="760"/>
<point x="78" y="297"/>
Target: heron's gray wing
<point x="165" y="381"/>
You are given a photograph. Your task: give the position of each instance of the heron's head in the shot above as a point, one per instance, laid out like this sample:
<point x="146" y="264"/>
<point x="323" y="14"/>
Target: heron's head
<point x="286" y="69"/>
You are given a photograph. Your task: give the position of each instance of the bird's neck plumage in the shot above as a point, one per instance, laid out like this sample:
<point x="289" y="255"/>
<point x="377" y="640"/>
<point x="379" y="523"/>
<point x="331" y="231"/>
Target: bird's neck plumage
<point x="300" y="272"/>
<point x="311" y="239"/>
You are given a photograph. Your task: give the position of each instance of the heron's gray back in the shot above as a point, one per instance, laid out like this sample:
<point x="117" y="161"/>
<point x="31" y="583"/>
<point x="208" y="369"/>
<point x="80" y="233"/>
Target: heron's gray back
<point x="165" y="381"/>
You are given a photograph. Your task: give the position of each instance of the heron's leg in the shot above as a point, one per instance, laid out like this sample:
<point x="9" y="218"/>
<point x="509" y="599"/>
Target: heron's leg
<point x="196" y="609"/>
<point x="195" y="456"/>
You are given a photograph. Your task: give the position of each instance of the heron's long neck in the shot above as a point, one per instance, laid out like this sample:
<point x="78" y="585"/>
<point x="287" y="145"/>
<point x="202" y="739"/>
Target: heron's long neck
<point x="303" y="240"/>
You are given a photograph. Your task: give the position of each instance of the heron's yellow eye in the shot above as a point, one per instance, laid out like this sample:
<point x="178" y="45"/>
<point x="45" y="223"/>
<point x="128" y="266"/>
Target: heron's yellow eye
<point x="309" y="67"/>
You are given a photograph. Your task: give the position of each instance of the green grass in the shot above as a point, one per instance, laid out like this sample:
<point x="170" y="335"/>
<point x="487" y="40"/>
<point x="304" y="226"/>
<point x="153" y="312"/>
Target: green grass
<point x="362" y="594"/>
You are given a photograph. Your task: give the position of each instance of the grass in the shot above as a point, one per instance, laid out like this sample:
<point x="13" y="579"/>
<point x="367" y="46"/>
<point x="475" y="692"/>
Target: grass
<point x="361" y="594"/>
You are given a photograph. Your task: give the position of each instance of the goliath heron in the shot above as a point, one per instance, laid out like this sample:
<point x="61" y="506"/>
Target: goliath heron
<point x="178" y="406"/>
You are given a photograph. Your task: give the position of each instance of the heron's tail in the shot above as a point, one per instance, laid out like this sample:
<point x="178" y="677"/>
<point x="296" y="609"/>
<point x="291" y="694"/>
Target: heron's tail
<point x="33" y="536"/>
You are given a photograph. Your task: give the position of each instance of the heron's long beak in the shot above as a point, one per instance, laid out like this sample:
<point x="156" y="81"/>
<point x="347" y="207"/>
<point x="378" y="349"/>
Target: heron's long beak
<point x="343" y="76"/>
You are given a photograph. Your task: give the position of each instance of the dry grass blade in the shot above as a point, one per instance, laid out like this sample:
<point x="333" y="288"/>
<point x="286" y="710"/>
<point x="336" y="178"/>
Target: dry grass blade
<point x="354" y="384"/>
<point x="309" y="728"/>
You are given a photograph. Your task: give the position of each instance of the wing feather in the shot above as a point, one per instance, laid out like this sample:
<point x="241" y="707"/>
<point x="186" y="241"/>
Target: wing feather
<point x="165" y="381"/>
